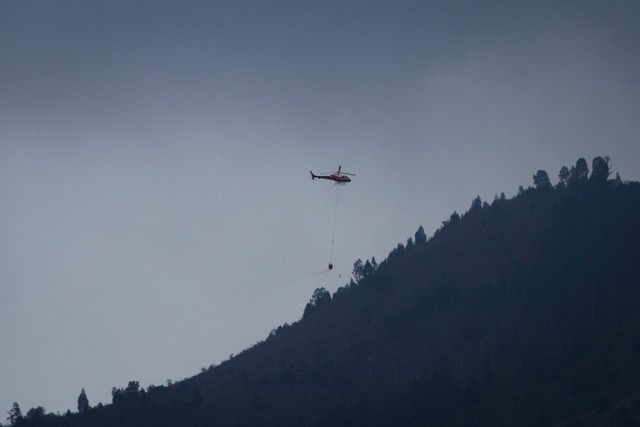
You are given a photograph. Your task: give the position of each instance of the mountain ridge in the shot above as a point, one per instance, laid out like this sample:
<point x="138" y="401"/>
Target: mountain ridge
<point x="519" y="312"/>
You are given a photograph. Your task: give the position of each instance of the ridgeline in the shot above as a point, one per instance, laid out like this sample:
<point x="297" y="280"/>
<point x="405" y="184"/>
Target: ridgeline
<point x="525" y="311"/>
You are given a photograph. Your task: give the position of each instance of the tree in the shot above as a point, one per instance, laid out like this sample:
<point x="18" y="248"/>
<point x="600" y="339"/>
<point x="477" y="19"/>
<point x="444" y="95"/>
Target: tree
<point x="600" y="170"/>
<point x="319" y="298"/>
<point x="564" y="177"/>
<point x="358" y="270"/>
<point x="117" y="395"/>
<point x="395" y="252"/>
<point x="133" y="389"/>
<point x="420" y="236"/>
<point x="83" y="402"/>
<point x="370" y="267"/>
<point x="476" y="206"/>
<point x="15" y="414"/>
<point x="617" y="179"/>
<point x="541" y="180"/>
<point x="410" y="243"/>
<point x="579" y="172"/>
<point x="35" y="413"/>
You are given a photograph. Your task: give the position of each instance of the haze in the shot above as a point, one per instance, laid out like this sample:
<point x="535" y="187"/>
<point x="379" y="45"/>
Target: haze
<point x="156" y="208"/>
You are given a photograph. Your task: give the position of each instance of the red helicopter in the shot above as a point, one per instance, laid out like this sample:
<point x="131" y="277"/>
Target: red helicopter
<point x="340" y="178"/>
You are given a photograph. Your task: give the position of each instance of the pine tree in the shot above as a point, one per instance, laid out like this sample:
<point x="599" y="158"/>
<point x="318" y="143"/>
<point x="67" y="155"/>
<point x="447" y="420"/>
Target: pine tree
<point x="476" y="206"/>
<point x="600" y="170"/>
<point x="579" y="172"/>
<point x="541" y="180"/>
<point x="15" y="414"/>
<point x="563" y="177"/>
<point x="83" y="402"/>
<point x="420" y="236"/>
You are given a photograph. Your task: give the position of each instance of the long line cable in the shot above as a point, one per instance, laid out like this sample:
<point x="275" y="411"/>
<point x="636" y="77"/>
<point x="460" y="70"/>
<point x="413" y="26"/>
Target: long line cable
<point x="333" y="233"/>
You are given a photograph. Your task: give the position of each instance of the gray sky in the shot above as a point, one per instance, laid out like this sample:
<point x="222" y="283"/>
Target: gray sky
<point x="156" y="209"/>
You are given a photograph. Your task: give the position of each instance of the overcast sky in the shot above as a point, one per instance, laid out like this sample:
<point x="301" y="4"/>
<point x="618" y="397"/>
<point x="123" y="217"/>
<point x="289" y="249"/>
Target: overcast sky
<point x="156" y="208"/>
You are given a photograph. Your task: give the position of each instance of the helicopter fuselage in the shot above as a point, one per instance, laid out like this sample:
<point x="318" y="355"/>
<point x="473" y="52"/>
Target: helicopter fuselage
<point x="337" y="177"/>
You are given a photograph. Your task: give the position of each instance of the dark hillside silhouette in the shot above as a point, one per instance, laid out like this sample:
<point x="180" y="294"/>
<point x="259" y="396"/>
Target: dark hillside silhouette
<point x="519" y="312"/>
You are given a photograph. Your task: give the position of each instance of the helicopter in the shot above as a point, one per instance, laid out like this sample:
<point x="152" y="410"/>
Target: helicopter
<point x="339" y="177"/>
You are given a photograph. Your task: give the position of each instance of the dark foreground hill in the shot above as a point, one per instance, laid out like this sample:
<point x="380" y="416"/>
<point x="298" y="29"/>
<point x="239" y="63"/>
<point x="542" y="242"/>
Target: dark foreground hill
<point x="523" y="312"/>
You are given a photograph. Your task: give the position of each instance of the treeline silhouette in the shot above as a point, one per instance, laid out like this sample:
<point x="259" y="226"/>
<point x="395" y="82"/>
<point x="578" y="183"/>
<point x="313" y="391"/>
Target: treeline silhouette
<point x="521" y="311"/>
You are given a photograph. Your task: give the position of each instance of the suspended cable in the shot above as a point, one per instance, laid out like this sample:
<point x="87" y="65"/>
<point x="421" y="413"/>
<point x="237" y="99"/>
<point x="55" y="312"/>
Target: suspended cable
<point x="340" y="178"/>
<point x="333" y="232"/>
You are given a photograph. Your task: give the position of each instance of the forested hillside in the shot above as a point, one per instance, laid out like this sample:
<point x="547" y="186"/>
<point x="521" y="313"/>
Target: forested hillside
<point x="522" y="311"/>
